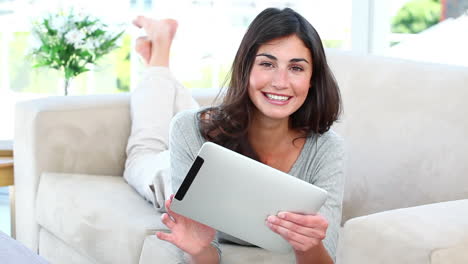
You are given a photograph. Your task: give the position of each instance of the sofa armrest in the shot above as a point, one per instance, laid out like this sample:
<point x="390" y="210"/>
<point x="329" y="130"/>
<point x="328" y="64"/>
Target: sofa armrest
<point x="80" y="134"/>
<point x="408" y="235"/>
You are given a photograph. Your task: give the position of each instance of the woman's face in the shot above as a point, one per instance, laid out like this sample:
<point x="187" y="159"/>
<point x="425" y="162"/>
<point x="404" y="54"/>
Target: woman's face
<point x="280" y="77"/>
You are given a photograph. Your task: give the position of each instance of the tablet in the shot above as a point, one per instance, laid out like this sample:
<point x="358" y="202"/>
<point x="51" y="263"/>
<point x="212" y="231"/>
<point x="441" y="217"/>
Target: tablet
<point x="235" y="194"/>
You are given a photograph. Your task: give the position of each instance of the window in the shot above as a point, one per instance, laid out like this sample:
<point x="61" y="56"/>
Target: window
<point x="421" y="30"/>
<point x="210" y="32"/>
<point x="431" y="31"/>
<point x="208" y="37"/>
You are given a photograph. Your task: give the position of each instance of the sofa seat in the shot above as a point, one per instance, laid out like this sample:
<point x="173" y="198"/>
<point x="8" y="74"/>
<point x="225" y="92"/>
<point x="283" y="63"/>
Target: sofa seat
<point x="415" y="233"/>
<point x="101" y="217"/>
<point x="57" y="251"/>
<point x="452" y="255"/>
<point x="167" y="253"/>
<point x="88" y="211"/>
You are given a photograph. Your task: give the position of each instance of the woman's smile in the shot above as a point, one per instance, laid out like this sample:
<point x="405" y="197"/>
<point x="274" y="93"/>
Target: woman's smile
<point x="277" y="99"/>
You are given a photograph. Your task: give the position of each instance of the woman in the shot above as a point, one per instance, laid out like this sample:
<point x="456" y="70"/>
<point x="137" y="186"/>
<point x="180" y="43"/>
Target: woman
<point x="281" y="101"/>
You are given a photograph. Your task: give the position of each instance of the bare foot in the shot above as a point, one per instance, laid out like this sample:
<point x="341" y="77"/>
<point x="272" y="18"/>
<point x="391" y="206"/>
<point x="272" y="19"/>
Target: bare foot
<point x="143" y="47"/>
<point x="155" y="47"/>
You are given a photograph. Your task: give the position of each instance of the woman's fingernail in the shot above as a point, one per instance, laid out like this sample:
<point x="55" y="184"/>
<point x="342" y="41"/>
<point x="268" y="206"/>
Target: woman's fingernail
<point x="271" y="219"/>
<point x="282" y="215"/>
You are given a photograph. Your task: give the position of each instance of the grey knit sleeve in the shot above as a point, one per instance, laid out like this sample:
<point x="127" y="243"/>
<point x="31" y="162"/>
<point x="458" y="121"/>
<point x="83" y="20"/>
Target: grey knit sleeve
<point x="327" y="172"/>
<point x="184" y="143"/>
<point x="183" y="146"/>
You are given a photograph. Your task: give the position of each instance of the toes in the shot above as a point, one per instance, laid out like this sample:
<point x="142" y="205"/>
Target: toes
<point x="142" y="44"/>
<point x="143" y="48"/>
<point x="142" y="40"/>
<point x="140" y="21"/>
<point x="137" y="21"/>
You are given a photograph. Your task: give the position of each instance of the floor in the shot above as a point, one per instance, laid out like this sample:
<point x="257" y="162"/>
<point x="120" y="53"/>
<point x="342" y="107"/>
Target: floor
<point x="4" y="211"/>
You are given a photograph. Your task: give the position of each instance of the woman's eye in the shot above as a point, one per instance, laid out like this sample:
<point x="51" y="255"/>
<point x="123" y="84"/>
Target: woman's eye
<point x="297" y="68"/>
<point x="266" y="64"/>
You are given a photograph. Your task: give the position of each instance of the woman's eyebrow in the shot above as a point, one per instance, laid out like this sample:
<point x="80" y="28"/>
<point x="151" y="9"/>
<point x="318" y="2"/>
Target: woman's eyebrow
<point x="298" y="60"/>
<point x="274" y="58"/>
<point x="267" y="55"/>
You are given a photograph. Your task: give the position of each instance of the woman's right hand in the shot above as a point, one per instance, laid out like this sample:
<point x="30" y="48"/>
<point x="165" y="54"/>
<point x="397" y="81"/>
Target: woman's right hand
<point x="190" y="236"/>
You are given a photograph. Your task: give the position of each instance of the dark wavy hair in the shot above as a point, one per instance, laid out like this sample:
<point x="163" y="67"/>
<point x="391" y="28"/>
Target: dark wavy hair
<point x="228" y="123"/>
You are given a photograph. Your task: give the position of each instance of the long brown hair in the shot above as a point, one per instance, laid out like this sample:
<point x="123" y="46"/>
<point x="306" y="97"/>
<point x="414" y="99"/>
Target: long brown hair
<point x="228" y="123"/>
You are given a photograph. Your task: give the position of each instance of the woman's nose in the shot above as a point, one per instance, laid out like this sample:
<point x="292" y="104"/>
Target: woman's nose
<point x="280" y="79"/>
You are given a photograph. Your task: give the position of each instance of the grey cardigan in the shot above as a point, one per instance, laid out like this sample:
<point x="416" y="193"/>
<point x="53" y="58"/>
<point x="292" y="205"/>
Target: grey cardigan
<point x="321" y="162"/>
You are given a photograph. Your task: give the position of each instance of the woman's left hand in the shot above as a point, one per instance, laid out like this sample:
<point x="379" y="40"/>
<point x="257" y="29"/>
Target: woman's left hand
<point x="303" y="232"/>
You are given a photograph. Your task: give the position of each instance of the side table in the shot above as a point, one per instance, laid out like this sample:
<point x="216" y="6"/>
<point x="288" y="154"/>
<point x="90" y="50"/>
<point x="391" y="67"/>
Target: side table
<point x="7" y="178"/>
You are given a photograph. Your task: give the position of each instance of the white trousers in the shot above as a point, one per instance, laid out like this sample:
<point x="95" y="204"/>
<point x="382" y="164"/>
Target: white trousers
<point x="157" y="98"/>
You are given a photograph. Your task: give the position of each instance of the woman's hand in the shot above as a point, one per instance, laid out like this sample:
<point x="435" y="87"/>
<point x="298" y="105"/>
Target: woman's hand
<point x="188" y="235"/>
<point x="303" y="232"/>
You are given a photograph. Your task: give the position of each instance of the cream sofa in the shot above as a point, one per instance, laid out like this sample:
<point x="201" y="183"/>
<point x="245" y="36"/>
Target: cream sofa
<point x="406" y="196"/>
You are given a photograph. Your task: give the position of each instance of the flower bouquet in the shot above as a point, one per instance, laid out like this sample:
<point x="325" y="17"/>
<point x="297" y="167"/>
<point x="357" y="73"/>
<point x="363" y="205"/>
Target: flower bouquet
<point x="71" y="42"/>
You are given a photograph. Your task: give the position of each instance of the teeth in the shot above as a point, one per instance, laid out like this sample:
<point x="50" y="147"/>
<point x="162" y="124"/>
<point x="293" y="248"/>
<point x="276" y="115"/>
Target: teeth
<point x="277" y="97"/>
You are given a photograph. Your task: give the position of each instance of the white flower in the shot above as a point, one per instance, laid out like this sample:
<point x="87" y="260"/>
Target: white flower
<point x="93" y="27"/>
<point x="75" y="37"/>
<point x="89" y="44"/>
<point x="58" y="23"/>
<point x="40" y="28"/>
<point x="96" y="43"/>
<point x="80" y="15"/>
<point x="86" y="45"/>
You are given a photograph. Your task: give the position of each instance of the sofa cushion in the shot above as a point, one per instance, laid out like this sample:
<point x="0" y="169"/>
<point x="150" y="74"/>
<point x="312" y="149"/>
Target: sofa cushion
<point x="405" y="126"/>
<point x="55" y="251"/>
<point x="453" y="255"/>
<point x="236" y="254"/>
<point x="159" y="251"/>
<point x="164" y="252"/>
<point x="101" y="217"/>
<point x="406" y="235"/>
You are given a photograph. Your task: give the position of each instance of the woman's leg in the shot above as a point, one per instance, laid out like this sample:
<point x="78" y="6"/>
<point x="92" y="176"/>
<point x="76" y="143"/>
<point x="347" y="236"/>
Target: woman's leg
<point x="157" y="98"/>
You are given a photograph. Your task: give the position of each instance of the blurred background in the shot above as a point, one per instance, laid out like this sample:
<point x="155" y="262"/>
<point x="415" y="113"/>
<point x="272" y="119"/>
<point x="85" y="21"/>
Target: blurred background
<point x="210" y="32"/>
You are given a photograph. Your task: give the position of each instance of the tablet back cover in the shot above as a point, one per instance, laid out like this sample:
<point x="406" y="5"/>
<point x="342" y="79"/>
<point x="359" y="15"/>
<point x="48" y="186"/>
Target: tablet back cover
<point x="235" y="194"/>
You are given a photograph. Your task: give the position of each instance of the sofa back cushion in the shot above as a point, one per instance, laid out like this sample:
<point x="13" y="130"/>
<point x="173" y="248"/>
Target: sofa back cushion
<point x="405" y="128"/>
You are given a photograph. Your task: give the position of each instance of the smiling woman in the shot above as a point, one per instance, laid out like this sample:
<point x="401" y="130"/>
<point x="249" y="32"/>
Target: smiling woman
<point x="279" y="105"/>
<point x="279" y="67"/>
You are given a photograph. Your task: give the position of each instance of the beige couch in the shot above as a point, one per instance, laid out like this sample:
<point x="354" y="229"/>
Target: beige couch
<point x="405" y="126"/>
